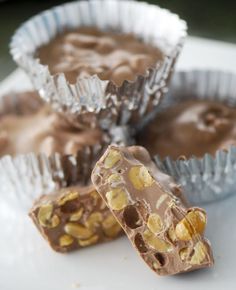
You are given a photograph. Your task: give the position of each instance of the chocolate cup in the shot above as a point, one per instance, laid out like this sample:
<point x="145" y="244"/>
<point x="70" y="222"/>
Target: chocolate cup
<point x="25" y="177"/>
<point x="209" y="178"/>
<point x="131" y="102"/>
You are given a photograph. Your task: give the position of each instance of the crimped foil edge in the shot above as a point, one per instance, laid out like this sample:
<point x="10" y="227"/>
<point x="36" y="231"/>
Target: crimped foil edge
<point x="92" y="94"/>
<point x="209" y="178"/>
<point x="25" y="177"/>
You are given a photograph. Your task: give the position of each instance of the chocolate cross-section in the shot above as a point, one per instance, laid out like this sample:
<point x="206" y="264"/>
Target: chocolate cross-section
<point x="149" y="205"/>
<point x="73" y="218"/>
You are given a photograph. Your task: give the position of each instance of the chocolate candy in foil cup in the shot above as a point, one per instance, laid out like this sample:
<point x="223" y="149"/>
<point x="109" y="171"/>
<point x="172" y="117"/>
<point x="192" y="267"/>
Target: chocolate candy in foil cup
<point x="133" y="100"/>
<point x="211" y="177"/>
<point x="29" y="165"/>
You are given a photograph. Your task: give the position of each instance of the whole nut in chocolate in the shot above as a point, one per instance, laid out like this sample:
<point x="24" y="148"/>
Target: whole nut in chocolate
<point x="117" y="199"/>
<point x="192" y="224"/>
<point x="110" y="226"/>
<point x="45" y="217"/>
<point x="78" y="231"/>
<point x="167" y="234"/>
<point x="66" y="240"/>
<point x="140" y="177"/>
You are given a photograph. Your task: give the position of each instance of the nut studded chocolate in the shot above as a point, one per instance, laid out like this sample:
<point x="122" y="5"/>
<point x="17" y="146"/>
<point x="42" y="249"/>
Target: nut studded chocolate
<point x="191" y="127"/>
<point x="87" y="51"/>
<point x="167" y="234"/>
<point x="73" y="218"/>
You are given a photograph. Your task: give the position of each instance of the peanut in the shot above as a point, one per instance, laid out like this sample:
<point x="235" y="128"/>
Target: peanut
<point x="192" y="224"/>
<point x="112" y="158"/>
<point x="140" y="177"/>
<point x="154" y="223"/>
<point x="117" y="199"/>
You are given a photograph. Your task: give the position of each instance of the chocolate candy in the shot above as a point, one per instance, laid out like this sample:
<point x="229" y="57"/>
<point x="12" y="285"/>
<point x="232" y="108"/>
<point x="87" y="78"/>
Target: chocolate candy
<point x="73" y="218"/>
<point x="87" y="51"/>
<point x="28" y="125"/>
<point x="192" y="127"/>
<point x="167" y="234"/>
<point x="20" y="103"/>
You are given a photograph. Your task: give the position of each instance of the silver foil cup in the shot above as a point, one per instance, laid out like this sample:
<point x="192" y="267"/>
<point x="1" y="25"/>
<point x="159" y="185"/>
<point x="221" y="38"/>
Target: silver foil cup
<point x="208" y="178"/>
<point x="128" y="103"/>
<point x="25" y="177"/>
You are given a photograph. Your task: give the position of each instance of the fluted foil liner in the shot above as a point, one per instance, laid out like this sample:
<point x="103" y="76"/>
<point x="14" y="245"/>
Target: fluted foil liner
<point x="208" y="178"/>
<point x="121" y="105"/>
<point x="25" y="177"/>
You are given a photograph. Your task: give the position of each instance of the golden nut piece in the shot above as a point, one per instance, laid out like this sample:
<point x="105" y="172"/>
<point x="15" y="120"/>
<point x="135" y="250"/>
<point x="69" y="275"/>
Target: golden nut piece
<point x="199" y="255"/>
<point x="114" y="179"/>
<point x="140" y="177"/>
<point x="45" y="217"/>
<point x="54" y="221"/>
<point x="117" y="199"/>
<point x="113" y="231"/>
<point x="112" y="158"/>
<point x="93" y="220"/>
<point x="154" y="223"/>
<point x="193" y="223"/>
<point x="110" y="226"/>
<point x="65" y="240"/>
<point x="76" y="215"/>
<point x="171" y="234"/>
<point x="88" y="242"/>
<point x="78" y="231"/>
<point x="68" y="197"/>
<point x="156" y="243"/>
<point x="109" y="221"/>
<point x="155" y="266"/>
<point x="184" y="253"/>
<point x="95" y="195"/>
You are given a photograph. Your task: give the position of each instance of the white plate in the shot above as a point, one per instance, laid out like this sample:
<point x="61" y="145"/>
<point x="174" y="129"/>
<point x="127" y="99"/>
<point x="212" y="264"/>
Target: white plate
<point x="27" y="263"/>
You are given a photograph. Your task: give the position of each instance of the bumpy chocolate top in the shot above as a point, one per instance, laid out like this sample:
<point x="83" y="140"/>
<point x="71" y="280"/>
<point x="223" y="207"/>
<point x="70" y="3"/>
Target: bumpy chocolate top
<point x="167" y="234"/>
<point x="87" y="51"/>
<point x="191" y="128"/>
<point x="40" y="130"/>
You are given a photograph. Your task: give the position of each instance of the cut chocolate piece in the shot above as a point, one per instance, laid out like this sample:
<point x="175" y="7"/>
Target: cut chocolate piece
<point x="73" y="218"/>
<point x="167" y="234"/>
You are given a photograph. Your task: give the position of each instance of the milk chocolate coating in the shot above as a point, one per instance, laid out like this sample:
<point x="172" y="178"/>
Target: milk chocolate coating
<point x="78" y="218"/>
<point x="135" y="197"/>
<point x="193" y="127"/>
<point x="20" y="103"/>
<point x="31" y="126"/>
<point x="88" y="51"/>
